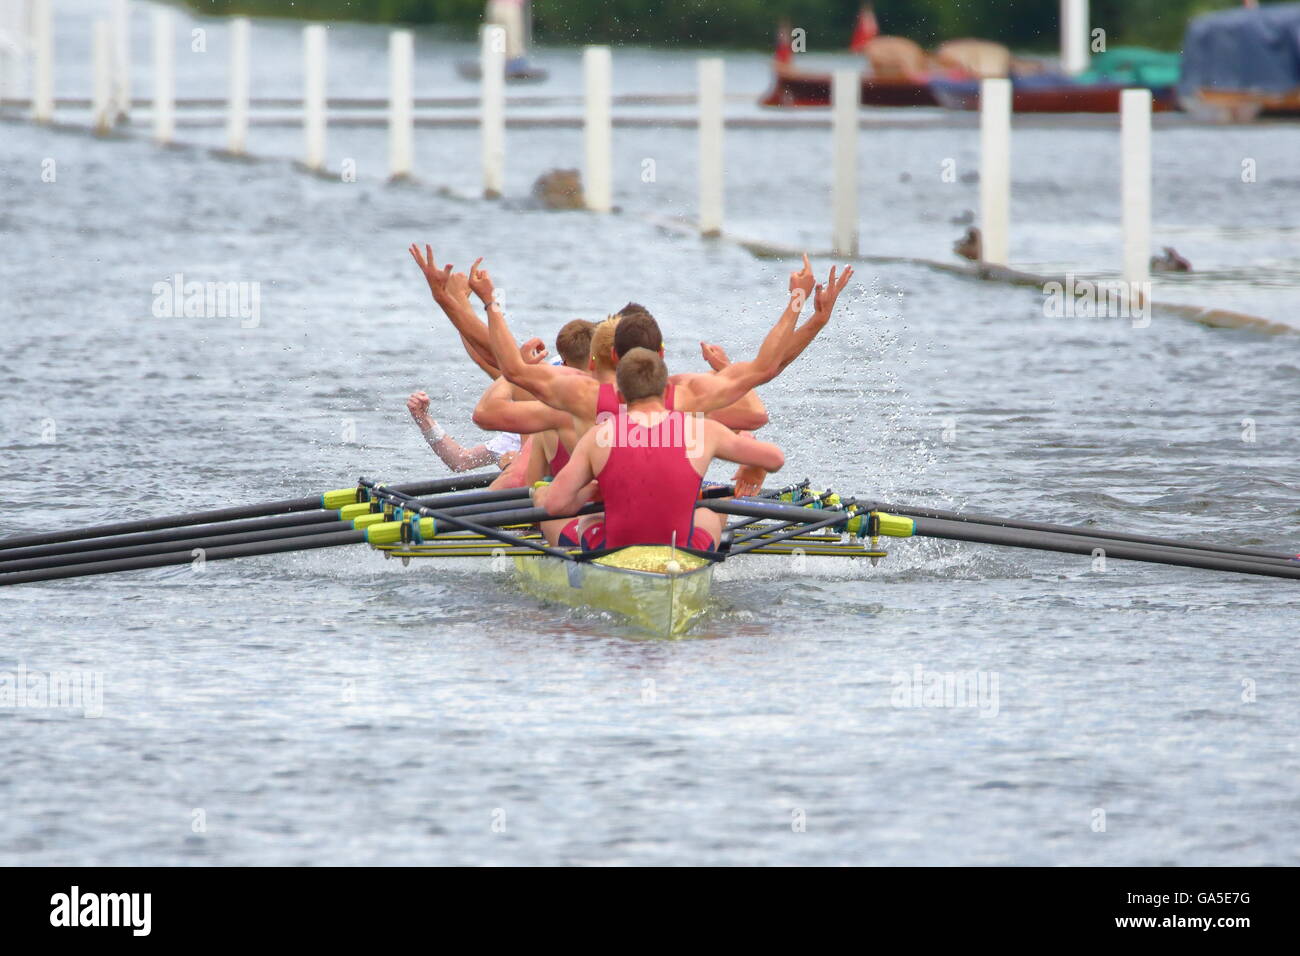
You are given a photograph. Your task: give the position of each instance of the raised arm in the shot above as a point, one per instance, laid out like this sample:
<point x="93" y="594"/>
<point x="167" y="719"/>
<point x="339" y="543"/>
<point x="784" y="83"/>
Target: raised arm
<point x="499" y="411"/>
<point x="823" y="305"/>
<point x="558" y="388"/>
<point x="711" y="392"/>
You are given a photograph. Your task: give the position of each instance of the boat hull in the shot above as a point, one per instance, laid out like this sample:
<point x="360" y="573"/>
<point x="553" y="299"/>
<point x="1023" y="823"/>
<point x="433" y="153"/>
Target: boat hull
<point x="1051" y="98"/>
<point x="814" y="89"/>
<point x="664" y="604"/>
<point x="523" y="73"/>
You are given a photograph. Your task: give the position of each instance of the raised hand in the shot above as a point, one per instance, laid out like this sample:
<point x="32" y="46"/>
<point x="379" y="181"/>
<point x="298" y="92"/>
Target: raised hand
<point x="715" y="356"/>
<point x="436" y="277"/>
<point x="481" y="283"/>
<point x="533" y="351"/>
<point x="801" y="283"/>
<point x="824" y="300"/>
<point x="418" y="406"/>
<point x="457" y="285"/>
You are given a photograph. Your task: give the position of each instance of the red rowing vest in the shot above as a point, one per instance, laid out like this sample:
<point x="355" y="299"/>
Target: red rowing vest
<point x="560" y="460"/>
<point x="608" y="401"/>
<point x="649" y="486"/>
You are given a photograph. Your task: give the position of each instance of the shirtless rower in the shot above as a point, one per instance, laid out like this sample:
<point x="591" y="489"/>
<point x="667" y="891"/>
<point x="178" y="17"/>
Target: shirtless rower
<point x="647" y="463"/>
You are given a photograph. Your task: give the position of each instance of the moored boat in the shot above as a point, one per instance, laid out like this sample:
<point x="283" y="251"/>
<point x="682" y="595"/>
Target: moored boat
<point x="1050" y="93"/>
<point x="1244" y="63"/>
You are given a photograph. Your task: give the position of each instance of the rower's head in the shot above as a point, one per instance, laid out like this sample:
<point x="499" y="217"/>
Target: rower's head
<point x="603" y="358"/>
<point x="637" y="329"/>
<point x="642" y="375"/>
<point x="573" y="344"/>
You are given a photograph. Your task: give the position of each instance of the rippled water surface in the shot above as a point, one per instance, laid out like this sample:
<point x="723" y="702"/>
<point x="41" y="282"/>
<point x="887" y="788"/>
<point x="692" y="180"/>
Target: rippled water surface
<point x="331" y="707"/>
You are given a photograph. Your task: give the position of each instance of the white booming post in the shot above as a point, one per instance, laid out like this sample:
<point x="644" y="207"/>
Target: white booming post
<point x="101" y="101"/>
<point x="313" y="102"/>
<point x="237" y="110"/>
<point x="164" y="76"/>
<point x="43" y="77"/>
<point x="597" y="69"/>
<point x="401" y="107"/>
<point x="995" y="170"/>
<point x="492" y="109"/>
<point x="1074" y="36"/>
<point x="1135" y="137"/>
<point x="844" y="129"/>
<point x="121" y="58"/>
<point x="712" y="178"/>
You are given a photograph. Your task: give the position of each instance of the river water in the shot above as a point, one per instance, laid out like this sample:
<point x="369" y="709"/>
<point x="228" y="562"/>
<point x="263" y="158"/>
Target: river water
<point x="332" y="707"/>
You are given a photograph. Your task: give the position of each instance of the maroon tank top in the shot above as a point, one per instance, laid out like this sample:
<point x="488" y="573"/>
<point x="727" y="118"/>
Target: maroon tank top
<point x="608" y="401"/>
<point x="649" y="485"/>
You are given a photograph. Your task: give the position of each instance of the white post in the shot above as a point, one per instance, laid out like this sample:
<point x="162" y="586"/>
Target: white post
<point x="401" y="106"/>
<point x="845" y="90"/>
<point x="1135" y="137"/>
<point x="1074" y="36"/>
<point x="597" y="70"/>
<point x="995" y="170"/>
<point x="314" y="96"/>
<point x="164" y="77"/>
<point x="121" y="56"/>
<point x="237" y="117"/>
<point x="712" y="177"/>
<point x="43" y="77"/>
<point x="492" y="118"/>
<point x="102" y="94"/>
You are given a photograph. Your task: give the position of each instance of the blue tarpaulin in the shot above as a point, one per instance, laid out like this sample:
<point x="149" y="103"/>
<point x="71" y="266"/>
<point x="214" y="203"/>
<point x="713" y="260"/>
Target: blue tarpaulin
<point x="1244" y="49"/>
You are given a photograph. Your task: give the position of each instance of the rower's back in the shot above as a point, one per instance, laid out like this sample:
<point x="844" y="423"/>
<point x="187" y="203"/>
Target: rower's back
<point x="649" y="481"/>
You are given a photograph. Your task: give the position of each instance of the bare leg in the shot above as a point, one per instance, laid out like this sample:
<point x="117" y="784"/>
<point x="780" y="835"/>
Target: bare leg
<point x="709" y="520"/>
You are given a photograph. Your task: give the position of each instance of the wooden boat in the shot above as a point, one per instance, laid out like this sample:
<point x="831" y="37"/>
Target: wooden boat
<point x="796" y="88"/>
<point x="1244" y="63"/>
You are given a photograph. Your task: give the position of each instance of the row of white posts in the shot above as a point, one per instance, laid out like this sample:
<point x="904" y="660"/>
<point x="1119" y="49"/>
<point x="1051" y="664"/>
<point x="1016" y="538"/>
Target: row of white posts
<point x="995" y="126"/>
<point x="1135" y="176"/>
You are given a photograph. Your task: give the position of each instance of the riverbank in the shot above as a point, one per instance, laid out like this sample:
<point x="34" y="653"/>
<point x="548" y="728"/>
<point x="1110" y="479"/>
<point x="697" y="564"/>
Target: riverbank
<point x="750" y="24"/>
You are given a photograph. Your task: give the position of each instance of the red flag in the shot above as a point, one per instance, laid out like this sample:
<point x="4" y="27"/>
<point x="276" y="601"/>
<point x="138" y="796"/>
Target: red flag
<point x="784" y="52"/>
<point x="865" y="31"/>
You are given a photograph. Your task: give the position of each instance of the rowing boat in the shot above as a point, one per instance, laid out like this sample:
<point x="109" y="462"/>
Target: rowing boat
<point x="659" y="589"/>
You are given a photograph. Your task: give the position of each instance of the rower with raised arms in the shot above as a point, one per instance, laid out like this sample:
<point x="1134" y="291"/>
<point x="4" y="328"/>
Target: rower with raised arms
<point x="647" y="462"/>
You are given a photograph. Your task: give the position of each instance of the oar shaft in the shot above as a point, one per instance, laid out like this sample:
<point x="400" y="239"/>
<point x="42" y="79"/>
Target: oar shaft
<point x="1075" y="544"/>
<point x="304" y="520"/>
<point x="312" y="503"/>
<point x="938" y="514"/>
<point x="277" y="546"/>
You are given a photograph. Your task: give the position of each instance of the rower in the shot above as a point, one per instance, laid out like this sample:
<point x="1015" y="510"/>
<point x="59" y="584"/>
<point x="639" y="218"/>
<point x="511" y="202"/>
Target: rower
<point x="581" y="397"/>
<point x="647" y="463"/>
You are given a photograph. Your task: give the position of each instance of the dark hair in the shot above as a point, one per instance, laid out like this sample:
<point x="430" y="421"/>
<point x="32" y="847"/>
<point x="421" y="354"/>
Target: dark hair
<point x="641" y="374"/>
<point x="574" y="342"/>
<point x="637" y="330"/>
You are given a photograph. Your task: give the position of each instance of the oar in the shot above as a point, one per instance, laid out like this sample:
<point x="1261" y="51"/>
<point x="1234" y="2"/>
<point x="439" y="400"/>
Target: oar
<point x="327" y="501"/>
<point x="1184" y="556"/>
<point x="411" y="504"/>
<point x="935" y="513"/>
<point x="238" y="532"/>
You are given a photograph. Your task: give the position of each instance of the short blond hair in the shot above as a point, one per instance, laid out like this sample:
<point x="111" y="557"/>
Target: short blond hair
<point x="602" y="344"/>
